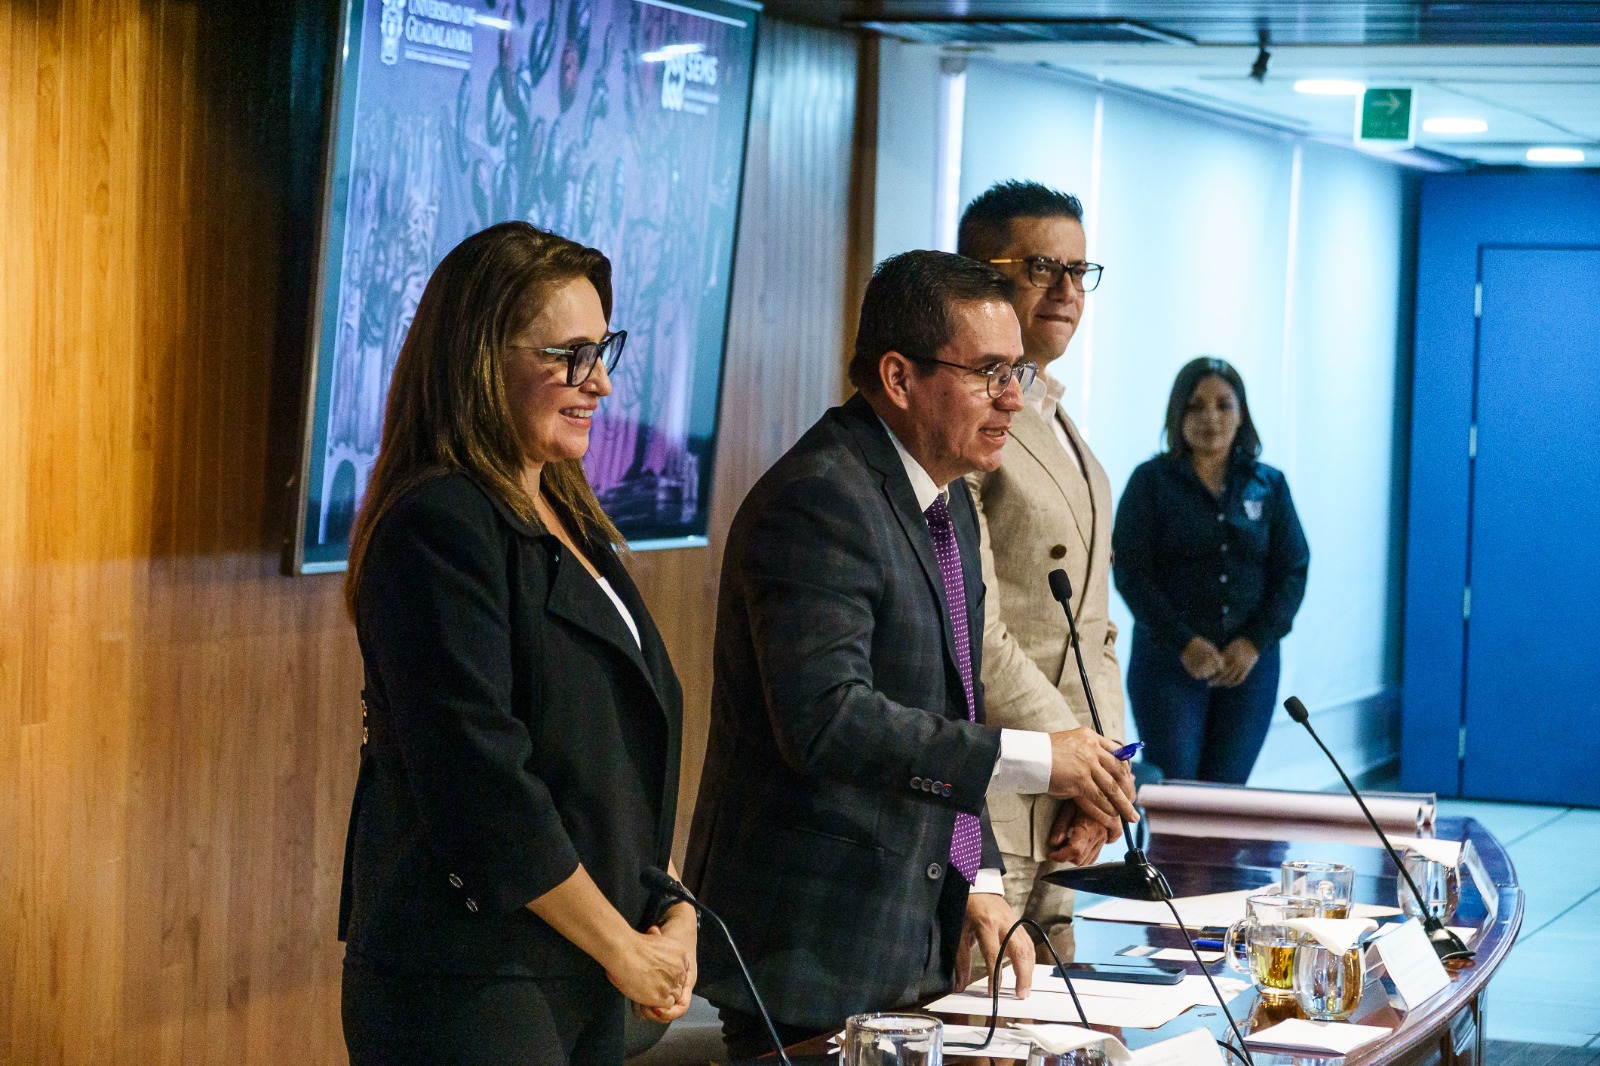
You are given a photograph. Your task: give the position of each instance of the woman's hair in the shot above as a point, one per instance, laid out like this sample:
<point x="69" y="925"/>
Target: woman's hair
<point x="1246" y="444"/>
<point x="447" y="410"/>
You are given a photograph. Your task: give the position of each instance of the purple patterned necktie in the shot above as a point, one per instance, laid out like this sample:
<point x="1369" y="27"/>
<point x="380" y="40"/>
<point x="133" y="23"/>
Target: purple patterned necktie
<point x="966" y="845"/>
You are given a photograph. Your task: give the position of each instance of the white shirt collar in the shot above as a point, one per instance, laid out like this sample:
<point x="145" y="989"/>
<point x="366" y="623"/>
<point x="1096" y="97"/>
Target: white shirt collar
<point x="922" y="485"/>
<point x="1046" y="393"/>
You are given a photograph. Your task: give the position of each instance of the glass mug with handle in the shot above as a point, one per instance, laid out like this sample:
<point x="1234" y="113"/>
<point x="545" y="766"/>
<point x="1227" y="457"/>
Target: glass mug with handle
<point x="893" y="1040"/>
<point x="1267" y="945"/>
<point x="1330" y="883"/>
<point x="1328" y="983"/>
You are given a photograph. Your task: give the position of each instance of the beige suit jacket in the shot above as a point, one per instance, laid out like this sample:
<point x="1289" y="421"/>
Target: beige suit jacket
<point x="1036" y="513"/>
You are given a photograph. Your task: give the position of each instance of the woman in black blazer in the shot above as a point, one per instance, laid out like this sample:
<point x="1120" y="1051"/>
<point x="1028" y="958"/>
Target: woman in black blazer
<point x="1210" y="557"/>
<point x="519" y="766"/>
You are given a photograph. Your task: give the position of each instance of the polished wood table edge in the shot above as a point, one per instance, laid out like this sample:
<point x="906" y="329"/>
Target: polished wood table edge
<point x="1418" y="1026"/>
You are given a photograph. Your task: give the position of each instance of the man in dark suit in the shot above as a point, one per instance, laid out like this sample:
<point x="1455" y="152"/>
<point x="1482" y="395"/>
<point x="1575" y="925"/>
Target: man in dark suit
<point x="840" y="828"/>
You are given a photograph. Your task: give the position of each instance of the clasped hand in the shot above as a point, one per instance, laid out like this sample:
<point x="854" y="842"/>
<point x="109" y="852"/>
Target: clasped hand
<point x="660" y="971"/>
<point x="1220" y="669"/>
<point x="1084" y="769"/>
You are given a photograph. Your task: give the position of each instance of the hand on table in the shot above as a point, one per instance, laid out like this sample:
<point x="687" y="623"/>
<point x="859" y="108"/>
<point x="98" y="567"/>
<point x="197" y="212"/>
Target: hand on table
<point x="988" y="917"/>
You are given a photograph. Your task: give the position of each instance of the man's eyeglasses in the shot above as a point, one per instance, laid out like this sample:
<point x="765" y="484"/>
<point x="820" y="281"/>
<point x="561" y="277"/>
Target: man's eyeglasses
<point x="581" y="358"/>
<point x="1000" y="375"/>
<point x="1046" y="273"/>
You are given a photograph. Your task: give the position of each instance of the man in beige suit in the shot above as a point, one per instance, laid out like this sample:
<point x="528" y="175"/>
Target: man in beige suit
<point x="1047" y="506"/>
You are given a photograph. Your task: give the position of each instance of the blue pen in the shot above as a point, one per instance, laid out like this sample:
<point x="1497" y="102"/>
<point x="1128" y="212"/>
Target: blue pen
<point x="1208" y="945"/>
<point x="1126" y="753"/>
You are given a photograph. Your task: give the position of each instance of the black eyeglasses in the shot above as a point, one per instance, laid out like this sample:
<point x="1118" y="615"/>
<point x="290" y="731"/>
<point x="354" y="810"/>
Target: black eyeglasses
<point x="1000" y="375"/>
<point x="1046" y="273"/>
<point x="581" y="358"/>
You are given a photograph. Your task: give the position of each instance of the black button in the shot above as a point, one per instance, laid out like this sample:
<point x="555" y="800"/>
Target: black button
<point x="1224" y="608"/>
<point x="455" y="882"/>
<point x="927" y="784"/>
<point x="935" y="871"/>
<point x="1223" y="579"/>
<point x="947" y="790"/>
<point x="472" y="905"/>
<point x="1221" y="518"/>
<point x="1058" y="552"/>
<point x="1224" y="545"/>
<point x="916" y="782"/>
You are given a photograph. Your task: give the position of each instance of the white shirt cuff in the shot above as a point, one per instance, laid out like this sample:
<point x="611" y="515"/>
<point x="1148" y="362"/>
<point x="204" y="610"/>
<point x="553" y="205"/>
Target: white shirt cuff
<point x="1024" y="763"/>
<point x="990" y="882"/>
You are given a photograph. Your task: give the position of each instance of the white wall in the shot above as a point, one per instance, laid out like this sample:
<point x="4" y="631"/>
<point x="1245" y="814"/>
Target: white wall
<point x="1284" y="257"/>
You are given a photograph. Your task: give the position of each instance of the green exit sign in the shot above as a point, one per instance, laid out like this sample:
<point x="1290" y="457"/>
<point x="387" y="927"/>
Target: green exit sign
<point x="1384" y="117"/>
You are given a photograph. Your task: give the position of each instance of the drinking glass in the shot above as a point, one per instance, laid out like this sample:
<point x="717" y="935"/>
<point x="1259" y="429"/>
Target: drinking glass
<point x="1439" y="884"/>
<point x="1331" y="883"/>
<point x="893" y="1040"/>
<point x="1269" y="946"/>
<point x="1328" y="983"/>
<point x="1083" y="1056"/>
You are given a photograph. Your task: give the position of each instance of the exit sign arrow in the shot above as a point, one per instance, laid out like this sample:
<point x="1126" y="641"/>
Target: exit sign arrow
<point x="1384" y="118"/>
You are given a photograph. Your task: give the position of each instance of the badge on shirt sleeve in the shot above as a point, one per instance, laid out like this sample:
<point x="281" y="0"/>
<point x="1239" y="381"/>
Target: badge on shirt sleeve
<point x="1252" y="509"/>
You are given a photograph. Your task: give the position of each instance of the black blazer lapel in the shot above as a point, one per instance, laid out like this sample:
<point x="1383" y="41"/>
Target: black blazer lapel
<point x="880" y="454"/>
<point x="576" y="598"/>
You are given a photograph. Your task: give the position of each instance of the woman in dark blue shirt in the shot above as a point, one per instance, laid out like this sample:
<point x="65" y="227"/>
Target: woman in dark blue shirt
<point x="1210" y="557"/>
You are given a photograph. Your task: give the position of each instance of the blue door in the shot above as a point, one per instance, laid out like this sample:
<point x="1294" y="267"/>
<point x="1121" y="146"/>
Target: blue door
<point x="1532" y="692"/>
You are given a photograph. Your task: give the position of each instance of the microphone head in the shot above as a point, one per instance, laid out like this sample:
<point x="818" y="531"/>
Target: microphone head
<point x="1296" y="709"/>
<point x="1061" y="586"/>
<point x="660" y="881"/>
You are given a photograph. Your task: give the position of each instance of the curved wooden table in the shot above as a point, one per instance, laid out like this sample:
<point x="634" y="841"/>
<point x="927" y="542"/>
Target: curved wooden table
<point x="1446" y="1030"/>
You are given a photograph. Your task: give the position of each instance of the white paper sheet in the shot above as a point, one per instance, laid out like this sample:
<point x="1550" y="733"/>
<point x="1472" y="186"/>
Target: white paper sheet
<point x="1192" y="991"/>
<point x="1058" y="1007"/>
<point x="1194" y="1048"/>
<point x="1444" y="851"/>
<point x="1007" y="1043"/>
<point x="1218" y="908"/>
<point x="1299" y="1034"/>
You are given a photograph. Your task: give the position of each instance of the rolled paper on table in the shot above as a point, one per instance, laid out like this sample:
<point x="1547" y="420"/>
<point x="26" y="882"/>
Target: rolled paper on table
<point x="1394" y="810"/>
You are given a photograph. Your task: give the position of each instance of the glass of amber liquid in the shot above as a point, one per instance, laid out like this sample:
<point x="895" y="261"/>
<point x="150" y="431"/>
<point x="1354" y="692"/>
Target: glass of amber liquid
<point x="1265" y="944"/>
<point x="1328" y="983"/>
<point x="1332" y="883"/>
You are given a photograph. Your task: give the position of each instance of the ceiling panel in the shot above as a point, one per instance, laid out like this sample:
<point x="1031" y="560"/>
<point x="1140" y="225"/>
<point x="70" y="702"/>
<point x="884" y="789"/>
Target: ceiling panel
<point x="1528" y="95"/>
<point x="1287" y="21"/>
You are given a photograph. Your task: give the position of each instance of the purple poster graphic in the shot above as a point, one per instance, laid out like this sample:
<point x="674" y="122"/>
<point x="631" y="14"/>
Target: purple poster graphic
<point x="617" y="123"/>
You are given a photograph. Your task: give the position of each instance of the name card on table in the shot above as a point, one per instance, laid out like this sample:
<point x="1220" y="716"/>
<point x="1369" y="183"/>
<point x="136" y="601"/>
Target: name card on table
<point x="1480" y="877"/>
<point x="1196" y="1047"/>
<point x="1413" y="965"/>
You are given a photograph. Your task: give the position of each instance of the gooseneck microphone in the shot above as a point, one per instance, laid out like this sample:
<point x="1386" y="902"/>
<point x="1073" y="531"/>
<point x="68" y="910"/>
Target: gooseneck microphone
<point x="1134" y="877"/>
<point x="1445" y="943"/>
<point x="663" y="883"/>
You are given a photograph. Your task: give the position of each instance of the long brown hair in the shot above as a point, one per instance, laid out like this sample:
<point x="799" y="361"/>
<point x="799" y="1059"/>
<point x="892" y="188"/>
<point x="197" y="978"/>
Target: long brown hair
<point x="447" y="409"/>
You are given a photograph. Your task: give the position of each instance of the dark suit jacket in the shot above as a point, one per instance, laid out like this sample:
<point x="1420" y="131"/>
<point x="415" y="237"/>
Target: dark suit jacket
<point x="840" y="750"/>
<point x="515" y="730"/>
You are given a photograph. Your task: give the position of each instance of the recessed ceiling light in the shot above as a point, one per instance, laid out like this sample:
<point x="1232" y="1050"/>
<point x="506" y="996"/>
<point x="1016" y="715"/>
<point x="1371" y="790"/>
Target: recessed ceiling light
<point x="1329" y="87"/>
<point x="1555" y="155"/>
<point x="1454" y="125"/>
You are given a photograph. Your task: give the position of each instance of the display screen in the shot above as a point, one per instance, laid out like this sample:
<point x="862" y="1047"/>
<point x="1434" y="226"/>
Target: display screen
<point x="617" y="123"/>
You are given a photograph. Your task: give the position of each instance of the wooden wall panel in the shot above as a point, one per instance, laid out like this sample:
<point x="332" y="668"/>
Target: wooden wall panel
<point x="178" y="723"/>
<point x="785" y="334"/>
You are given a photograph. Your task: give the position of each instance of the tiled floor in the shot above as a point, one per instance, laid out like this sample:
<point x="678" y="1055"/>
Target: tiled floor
<point x="1548" y="989"/>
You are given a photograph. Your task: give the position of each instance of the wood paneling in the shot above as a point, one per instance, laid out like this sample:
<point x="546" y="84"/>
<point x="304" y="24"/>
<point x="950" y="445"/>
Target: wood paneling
<point x="178" y="723"/>
<point x="786" y="343"/>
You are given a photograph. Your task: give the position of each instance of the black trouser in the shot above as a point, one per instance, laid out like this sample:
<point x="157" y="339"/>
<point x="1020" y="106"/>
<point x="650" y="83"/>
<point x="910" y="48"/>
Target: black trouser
<point x="745" y="1034"/>
<point x="400" y="1019"/>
